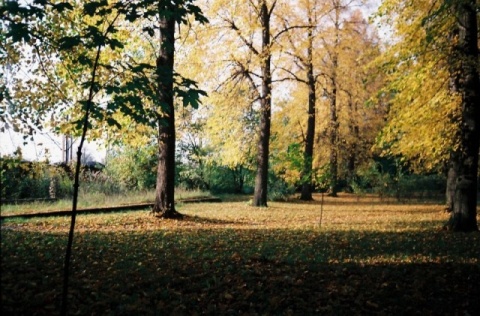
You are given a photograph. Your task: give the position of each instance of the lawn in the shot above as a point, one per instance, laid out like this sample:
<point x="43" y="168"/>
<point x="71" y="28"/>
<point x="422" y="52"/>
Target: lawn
<point x="353" y="255"/>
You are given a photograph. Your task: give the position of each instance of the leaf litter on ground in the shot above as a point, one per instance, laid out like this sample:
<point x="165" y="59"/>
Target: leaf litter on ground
<point x="365" y="257"/>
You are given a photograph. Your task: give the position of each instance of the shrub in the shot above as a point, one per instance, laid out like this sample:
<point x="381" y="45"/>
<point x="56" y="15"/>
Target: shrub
<point x="24" y="179"/>
<point x="279" y="189"/>
<point x="398" y="183"/>
<point x="133" y="168"/>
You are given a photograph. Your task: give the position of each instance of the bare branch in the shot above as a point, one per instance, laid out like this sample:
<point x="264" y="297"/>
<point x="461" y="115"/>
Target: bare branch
<point x="293" y="77"/>
<point x="249" y="44"/>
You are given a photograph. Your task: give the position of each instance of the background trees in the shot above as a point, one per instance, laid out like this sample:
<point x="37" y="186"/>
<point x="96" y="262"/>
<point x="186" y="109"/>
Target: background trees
<point x="299" y="81"/>
<point x="345" y="124"/>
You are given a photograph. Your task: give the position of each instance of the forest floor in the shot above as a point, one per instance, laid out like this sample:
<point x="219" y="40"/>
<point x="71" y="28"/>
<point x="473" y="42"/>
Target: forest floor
<point x="347" y="256"/>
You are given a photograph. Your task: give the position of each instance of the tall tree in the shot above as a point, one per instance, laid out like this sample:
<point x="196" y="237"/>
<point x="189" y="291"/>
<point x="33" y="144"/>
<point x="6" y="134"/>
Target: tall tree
<point x="334" y="65"/>
<point x="249" y="26"/>
<point x="343" y="44"/>
<point x="165" y="190"/>
<point x="27" y="29"/>
<point x="300" y="47"/>
<point x="360" y="119"/>
<point x="149" y="90"/>
<point x="332" y="92"/>
<point x="465" y="81"/>
<point x="138" y="90"/>
<point x="261" y="178"/>
<point x="433" y="90"/>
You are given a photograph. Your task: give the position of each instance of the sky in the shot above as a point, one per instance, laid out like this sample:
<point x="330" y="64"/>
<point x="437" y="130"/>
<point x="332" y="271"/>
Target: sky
<point x="45" y="146"/>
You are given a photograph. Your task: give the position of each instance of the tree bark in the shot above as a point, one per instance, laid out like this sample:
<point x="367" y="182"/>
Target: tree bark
<point x="353" y="146"/>
<point x="306" y="194"/>
<point x="165" y="188"/>
<point x="450" y="188"/>
<point x="334" y="125"/>
<point x="333" y="142"/>
<point x="261" y="178"/>
<point x="466" y="83"/>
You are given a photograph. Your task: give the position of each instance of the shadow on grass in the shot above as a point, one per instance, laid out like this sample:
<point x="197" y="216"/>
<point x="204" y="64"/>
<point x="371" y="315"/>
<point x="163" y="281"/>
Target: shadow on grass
<point x="204" y="220"/>
<point x="235" y="272"/>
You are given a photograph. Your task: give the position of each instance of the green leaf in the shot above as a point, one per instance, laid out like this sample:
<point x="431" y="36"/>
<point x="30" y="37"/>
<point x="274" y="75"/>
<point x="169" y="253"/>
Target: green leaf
<point x="69" y="42"/>
<point x="112" y="122"/>
<point x="84" y="60"/>
<point x="62" y="6"/>
<point x="90" y="8"/>
<point x="150" y="31"/>
<point x="114" y="43"/>
<point x="19" y="32"/>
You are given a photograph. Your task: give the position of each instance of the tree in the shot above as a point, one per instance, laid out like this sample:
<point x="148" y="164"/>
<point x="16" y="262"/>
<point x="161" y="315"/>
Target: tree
<point x="335" y="63"/>
<point x="359" y="118"/>
<point x="232" y="109"/>
<point x="433" y="79"/>
<point x="28" y="26"/>
<point x="261" y="179"/>
<point x="465" y="81"/>
<point x="248" y="27"/>
<point x="343" y="44"/>
<point x="148" y="92"/>
<point x="165" y="189"/>
<point x="300" y="47"/>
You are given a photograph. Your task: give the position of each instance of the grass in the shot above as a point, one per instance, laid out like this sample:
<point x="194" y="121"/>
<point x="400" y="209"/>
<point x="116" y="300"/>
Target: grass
<point x="364" y="257"/>
<point x="87" y="200"/>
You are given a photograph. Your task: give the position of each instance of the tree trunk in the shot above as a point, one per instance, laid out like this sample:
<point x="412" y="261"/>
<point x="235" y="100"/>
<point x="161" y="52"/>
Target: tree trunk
<point x="309" y="139"/>
<point x="466" y="83"/>
<point x="165" y="190"/>
<point x="261" y="179"/>
<point x="333" y="142"/>
<point x="333" y="110"/>
<point x="450" y="189"/>
<point x="353" y="147"/>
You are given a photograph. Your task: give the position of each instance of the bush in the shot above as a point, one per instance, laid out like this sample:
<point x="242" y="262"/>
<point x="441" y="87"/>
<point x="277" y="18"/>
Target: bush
<point x="133" y="168"/>
<point x="279" y="189"/>
<point x="39" y="180"/>
<point x="236" y="180"/>
<point x="24" y="179"/>
<point x="396" y="182"/>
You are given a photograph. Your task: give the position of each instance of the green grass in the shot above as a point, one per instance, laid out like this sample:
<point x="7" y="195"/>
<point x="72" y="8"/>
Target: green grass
<point x="365" y="257"/>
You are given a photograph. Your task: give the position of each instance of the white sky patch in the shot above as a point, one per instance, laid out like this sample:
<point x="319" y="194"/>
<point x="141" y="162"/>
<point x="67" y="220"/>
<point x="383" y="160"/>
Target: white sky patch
<point x="47" y="146"/>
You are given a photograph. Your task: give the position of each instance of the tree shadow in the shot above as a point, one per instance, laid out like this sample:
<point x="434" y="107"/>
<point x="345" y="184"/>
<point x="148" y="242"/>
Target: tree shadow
<point x="244" y="271"/>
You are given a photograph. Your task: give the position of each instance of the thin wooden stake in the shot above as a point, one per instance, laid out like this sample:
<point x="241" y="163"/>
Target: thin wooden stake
<point x="321" y="213"/>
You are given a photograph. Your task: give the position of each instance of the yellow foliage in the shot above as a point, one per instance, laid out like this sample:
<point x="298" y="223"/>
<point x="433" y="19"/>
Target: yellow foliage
<point x="423" y="111"/>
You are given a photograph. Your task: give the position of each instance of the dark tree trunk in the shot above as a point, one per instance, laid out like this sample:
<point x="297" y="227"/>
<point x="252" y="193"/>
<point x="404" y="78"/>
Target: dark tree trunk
<point x="450" y="190"/>
<point x="238" y="178"/>
<point x="353" y="147"/>
<point x="466" y="82"/>
<point x="165" y="190"/>
<point x="261" y="179"/>
<point x="309" y="139"/>
<point x="334" y="125"/>
<point x="333" y="142"/>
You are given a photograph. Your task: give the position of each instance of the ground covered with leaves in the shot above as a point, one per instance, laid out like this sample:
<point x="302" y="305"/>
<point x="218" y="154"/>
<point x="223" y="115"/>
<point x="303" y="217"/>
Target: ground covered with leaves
<point x="348" y="256"/>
